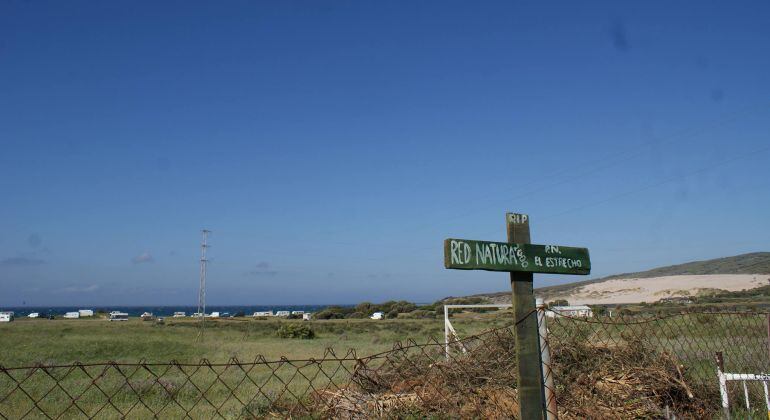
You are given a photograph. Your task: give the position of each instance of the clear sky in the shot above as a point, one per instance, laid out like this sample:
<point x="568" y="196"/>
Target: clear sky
<point x="331" y="146"/>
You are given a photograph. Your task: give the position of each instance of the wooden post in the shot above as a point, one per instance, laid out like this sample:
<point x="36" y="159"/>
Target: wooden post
<point x="528" y="369"/>
<point x="520" y="258"/>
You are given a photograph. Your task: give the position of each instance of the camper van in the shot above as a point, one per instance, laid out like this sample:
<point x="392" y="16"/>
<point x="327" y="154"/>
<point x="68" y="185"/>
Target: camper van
<point x="72" y="315"/>
<point x="6" y="316"/>
<point x="34" y="315"/>
<point x="377" y="315"/>
<point x="307" y="316"/>
<point x="147" y="316"/>
<point x="263" y="313"/>
<point x="179" y="315"/>
<point x="86" y="312"/>
<point x="282" y="313"/>
<point x="118" y="316"/>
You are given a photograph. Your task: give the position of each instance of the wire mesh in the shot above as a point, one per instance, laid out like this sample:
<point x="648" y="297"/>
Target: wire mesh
<point x="651" y="366"/>
<point x="620" y="367"/>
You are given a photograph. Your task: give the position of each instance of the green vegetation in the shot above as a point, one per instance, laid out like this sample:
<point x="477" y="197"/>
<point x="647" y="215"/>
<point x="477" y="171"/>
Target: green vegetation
<point x="60" y="341"/>
<point x="294" y="330"/>
<point x="391" y="309"/>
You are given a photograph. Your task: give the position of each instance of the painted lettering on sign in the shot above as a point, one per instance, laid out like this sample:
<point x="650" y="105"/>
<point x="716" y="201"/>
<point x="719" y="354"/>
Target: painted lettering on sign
<point x="517" y="218"/>
<point x="501" y="256"/>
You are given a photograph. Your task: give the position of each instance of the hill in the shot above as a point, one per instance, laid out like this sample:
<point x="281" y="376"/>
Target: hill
<point x="692" y="278"/>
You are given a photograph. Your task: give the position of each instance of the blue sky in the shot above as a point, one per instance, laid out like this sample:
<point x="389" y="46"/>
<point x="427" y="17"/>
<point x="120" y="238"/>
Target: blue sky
<point x="332" y="146"/>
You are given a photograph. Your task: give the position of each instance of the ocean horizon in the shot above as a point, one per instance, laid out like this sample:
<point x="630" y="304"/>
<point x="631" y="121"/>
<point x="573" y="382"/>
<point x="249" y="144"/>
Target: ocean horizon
<point x="165" y="310"/>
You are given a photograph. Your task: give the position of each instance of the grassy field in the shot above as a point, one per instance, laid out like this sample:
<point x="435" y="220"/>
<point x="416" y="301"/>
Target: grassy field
<point x="173" y="391"/>
<point x="34" y="341"/>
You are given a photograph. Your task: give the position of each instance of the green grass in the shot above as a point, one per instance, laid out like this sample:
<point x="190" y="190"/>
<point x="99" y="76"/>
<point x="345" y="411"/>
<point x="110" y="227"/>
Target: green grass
<point x="29" y="342"/>
<point x="235" y="391"/>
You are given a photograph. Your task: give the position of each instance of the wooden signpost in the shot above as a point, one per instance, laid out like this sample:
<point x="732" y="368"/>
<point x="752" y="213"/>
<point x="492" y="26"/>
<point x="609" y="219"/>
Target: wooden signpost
<point x="521" y="258"/>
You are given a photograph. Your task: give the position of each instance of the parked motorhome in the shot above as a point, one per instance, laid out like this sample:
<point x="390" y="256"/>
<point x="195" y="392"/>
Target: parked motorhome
<point x="34" y="315"/>
<point x="282" y="313"/>
<point x="214" y="315"/>
<point x="118" y="316"/>
<point x="297" y="312"/>
<point x="72" y="315"/>
<point x="179" y="315"/>
<point x="86" y="312"/>
<point x="377" y="315"/>
<point x="196" y="315"/>
<point x="263" y="313"/>
<point x="6" y="316"/>
<point x="307" y="316"/>
<point x="147" y="316"/>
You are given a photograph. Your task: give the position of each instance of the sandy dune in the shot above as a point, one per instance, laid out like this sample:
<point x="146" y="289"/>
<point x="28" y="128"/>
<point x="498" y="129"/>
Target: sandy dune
<point x="634" y="290"/>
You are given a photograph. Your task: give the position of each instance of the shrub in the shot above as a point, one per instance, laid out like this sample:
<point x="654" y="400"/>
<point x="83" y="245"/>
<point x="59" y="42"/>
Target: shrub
<point x="356" y="315"/>
<point x="328" y="314"/>
<point x="295" y="331"/>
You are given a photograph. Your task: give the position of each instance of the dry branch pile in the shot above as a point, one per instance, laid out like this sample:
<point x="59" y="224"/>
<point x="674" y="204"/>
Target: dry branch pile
<point x="628" y="380"/>
<point x="624" y="381"/>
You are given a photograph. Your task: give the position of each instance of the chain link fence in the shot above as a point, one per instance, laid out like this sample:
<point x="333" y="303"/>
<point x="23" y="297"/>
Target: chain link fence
<point x="648" y="366"/>
<point x="627" y="367"/>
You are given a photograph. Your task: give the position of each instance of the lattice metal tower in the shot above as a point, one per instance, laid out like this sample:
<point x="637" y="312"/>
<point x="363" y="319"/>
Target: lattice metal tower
<point x="202" y="287"/>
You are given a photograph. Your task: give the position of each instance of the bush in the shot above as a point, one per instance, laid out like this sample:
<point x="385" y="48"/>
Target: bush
<point x="356" y="315"/>
<point x="295" y="331"/>
<point x="328" y="314"/>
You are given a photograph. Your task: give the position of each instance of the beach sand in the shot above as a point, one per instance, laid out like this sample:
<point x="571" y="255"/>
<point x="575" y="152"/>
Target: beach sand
<point x="635" y="290"/>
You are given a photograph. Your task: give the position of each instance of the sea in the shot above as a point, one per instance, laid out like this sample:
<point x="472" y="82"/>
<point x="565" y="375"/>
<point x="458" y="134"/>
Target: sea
<point x="21" y="311"/>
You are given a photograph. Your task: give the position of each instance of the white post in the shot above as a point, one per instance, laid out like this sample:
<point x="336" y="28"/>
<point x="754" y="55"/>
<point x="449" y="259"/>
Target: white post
<point x="767" y="399"/>
<point x="723" y="385"/>
<point x="545" y="350"/>
<point x="446" y="332"/>
<point x="746" y="394"/>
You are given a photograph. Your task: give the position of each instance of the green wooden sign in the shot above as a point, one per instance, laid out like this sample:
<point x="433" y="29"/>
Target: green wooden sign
<point x="464" y="254"/>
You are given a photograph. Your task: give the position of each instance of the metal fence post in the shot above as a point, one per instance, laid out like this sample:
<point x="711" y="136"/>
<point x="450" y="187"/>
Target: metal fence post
<point x="545" y="350"/>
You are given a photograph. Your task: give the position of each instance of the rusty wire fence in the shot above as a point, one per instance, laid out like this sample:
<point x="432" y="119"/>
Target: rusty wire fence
<point x="653" y="366"/>
<point x="630" y="367"/>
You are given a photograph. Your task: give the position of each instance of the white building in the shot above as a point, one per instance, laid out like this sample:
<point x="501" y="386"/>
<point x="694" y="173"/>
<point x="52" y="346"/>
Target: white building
<point x="573" y="311"/>
<point x="6" y="316"/>
<point x="307" y="316"/>
<point x="34" y="315"/>
<point x="86" y="312"/>
<point x="72" y="315"/>
<point x="282" y="313"/>
<point x="263" y="313"/>
<point x="377" y="315"/>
